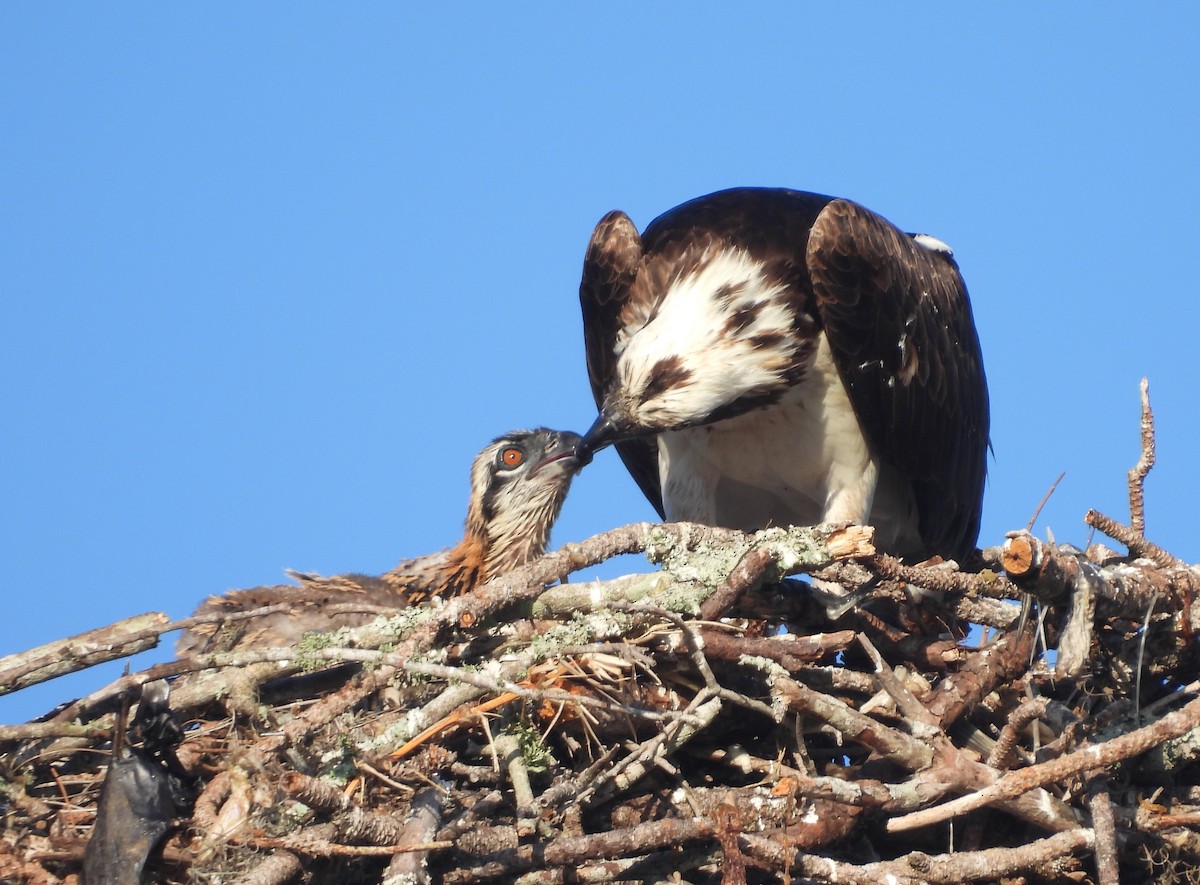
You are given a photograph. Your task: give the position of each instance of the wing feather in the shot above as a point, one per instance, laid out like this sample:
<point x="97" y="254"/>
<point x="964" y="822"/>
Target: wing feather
<point x="899" y="324"/>
<point x="610" y="269"/>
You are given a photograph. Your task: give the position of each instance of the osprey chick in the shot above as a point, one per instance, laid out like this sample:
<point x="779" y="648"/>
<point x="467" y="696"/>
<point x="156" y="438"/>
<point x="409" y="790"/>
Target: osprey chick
<point x="518" y="485"/>
<point x="773" y="357"/>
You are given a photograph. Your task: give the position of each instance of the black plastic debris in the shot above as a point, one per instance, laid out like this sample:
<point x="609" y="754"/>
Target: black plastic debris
<point x="145" y="791"/>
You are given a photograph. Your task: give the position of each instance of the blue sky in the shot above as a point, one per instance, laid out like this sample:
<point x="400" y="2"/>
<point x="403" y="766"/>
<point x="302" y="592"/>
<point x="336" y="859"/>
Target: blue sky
<point x="273" y="273"/>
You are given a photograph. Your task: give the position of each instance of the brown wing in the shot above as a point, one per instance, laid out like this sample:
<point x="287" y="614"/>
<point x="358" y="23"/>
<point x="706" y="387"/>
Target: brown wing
<point x="610" y="266"/>
<point x="307" y="610"/>
<point x="900" y="328"/>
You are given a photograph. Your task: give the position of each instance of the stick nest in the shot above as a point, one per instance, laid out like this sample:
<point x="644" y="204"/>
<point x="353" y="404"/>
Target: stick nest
<point x="1029" y="717"/>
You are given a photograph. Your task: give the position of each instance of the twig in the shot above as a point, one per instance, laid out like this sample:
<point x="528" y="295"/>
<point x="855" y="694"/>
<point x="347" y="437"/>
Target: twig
<point x="750" y="571"/>
<point x="1106" y="831"/>
<point x="506" y="749"/>
<point x="696" y="652"/>
<point x="792" y="651"/>
<point x="566" y="852"/>
<point x="1002" y="752"/>
<point x="307" y="843"/>
<point x="119" y="640"/>
<point x="417" y="832"/>
<point x="39" y="730"/>
<point x="1090" y="757"/>
<point x="1042" y="503"/>
<point x="915" y="711"/>
<point x="658" y="866"/>
<point x="278" y="868"/>
<point x="990" y="864"/>
<point x="460" y="717"/>
<point x="1049" y="571"/>
<point x="941" y="580"/>
<point x="981" y="673"/>
<point x="895" y="745"/>
<point x="317" y="793"/>
<point x="1139" y="471"/>
<point x="728" y="825"/>
<point x="1131" y="538"/>
<point x="482" y="680"/>
<point x="678" y="730"/>
<point x="801" y="546"/>
<point x="568" y="790"/>
<point x="468" y="819"/>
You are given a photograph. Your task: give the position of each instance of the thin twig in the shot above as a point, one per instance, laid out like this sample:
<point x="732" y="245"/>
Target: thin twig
<point x="1133" y="539"/>
<point x="1103" y="823"/>
<point x="1139" y="471"/>
<point x="1037" y="511"/>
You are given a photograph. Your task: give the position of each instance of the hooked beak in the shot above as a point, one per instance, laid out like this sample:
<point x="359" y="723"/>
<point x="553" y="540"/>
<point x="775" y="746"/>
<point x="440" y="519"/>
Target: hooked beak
<point x="565" y="448"/>
<point x="601" y="434"/>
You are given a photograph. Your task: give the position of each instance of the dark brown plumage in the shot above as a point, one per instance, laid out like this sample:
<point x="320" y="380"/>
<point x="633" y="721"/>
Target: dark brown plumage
<point x="767" y="356"/>
<point x="518" y="485"/>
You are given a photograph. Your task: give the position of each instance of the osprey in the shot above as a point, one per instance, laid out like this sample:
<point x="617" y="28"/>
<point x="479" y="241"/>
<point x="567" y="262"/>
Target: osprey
<point x="774" y="357"/>
<point x="518" y="485"/>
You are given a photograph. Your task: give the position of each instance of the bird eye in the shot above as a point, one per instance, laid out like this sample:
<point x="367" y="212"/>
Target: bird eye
<point x="511" y="457"/>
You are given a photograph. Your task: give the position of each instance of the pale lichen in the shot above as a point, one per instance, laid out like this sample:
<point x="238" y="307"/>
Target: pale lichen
<point x="772" y="670"/>
<point x="584" y="627"/>
<point x="769" y="667"/>
<point x="796" y="547"/>
<point x="400" y="732"/>
<point x="710" y="562"/>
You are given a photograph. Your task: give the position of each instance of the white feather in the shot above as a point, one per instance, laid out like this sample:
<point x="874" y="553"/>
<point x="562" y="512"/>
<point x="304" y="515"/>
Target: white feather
<point x="933" y="244"/>
<point x="723" y="367"/>
<point x="801" y="461"/>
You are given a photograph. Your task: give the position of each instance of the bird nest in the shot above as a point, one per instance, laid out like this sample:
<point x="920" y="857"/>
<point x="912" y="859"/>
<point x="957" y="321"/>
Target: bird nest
<point x="1032" y="717"/>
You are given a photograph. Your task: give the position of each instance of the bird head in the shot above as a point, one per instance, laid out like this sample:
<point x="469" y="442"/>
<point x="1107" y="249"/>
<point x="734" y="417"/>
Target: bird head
<point x="663" y="392"/>
<point x="518" y="484"/>
<point x="718" y="340"/>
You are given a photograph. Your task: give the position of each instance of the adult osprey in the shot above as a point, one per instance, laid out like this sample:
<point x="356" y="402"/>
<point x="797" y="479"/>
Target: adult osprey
<point x="772" y="357"/>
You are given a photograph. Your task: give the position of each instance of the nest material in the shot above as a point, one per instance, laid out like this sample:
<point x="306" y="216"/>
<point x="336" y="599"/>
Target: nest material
<point x="660" y="727"/>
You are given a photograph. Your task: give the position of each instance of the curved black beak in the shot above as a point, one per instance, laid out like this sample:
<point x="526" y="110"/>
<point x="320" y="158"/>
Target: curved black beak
<point x="563" y="450"/>
<point x="603" y="432"/>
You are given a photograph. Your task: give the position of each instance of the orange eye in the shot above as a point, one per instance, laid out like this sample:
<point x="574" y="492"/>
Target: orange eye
<point x="512" y="457"/>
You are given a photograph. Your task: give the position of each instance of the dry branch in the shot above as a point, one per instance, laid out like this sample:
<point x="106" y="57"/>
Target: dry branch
<point x="119" y="640"/>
